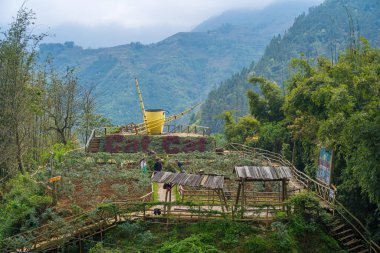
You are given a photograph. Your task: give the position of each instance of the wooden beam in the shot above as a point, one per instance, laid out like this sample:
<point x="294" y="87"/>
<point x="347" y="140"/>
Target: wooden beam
<point x="224" y="199"/>
<point x="220" y="198"/>
<point x="238" y="195"/>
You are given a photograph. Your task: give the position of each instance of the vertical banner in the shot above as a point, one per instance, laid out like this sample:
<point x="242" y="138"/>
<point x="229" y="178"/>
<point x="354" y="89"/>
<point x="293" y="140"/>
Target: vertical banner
<point x="324" y="167"/>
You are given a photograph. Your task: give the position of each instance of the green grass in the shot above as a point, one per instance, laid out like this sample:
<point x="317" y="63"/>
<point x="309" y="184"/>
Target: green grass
<point x="177" y="195"/>
<point x="155" y="191"/>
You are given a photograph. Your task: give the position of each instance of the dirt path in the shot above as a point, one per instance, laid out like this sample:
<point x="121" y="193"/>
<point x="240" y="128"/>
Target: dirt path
<point x="162" y="193"/>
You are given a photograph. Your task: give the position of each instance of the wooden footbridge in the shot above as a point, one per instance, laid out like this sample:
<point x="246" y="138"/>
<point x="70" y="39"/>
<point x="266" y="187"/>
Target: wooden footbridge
<point x="204" y="197"/>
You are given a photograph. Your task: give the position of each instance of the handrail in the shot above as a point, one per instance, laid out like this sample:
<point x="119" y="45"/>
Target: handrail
<point x="3" y="179"/>
<point x="188" y="129"/>
<point x="89" y="139"/>
<point x="374" y="247"/>
<point x="307" y="181"/>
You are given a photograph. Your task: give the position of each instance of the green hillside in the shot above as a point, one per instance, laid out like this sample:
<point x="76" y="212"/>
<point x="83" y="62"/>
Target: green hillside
<point x="174" y="73"/>
<point x="325" y="30"/>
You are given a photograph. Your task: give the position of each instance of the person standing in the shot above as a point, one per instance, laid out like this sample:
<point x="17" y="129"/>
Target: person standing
<point x="179" y="164"/>
<point x="157" y="165"/>
<point x="143" y="165"/>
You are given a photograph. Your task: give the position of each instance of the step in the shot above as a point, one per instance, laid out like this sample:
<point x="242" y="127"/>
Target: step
<point x="356" y="247"/>
<point x="341" y="233"/>
<point x="338" y="227"/>
<point x="346" y="237"/>
<point x="351" y="242"/>
<point x="334" y="223"/>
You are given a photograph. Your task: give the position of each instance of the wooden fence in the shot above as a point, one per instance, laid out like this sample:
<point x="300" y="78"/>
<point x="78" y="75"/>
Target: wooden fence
<point x="73" y="229"/>
<point x="326" y="193"/>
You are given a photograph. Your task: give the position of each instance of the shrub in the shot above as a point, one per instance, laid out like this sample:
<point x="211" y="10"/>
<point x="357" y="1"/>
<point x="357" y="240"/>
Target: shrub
<point x="22" y="200"/>
<point x="257" y="244"/>
<point x="192" y="244"/>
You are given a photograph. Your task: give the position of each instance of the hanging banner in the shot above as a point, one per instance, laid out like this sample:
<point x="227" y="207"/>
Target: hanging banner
<point x="324" y="168"/>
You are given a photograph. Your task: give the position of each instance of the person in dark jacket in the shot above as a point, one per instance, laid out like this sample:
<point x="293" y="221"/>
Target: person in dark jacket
<point x="157" y="165"/>
<point x="180" y="164"/>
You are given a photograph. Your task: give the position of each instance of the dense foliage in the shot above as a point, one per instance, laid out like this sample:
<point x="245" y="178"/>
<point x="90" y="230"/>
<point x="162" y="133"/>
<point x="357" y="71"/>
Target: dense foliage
<point x="330" y="105"/>
<point x="325" y="30"/>
<point x="302" y="232"/>
<point x="22" y="205"/>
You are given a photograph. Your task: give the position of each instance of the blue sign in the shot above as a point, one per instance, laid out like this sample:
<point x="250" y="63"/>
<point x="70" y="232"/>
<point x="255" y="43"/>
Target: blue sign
<point x="324" y="167"/>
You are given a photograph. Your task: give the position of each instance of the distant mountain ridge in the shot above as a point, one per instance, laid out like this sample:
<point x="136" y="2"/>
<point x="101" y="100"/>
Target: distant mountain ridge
<point x="324" y="31"/>
<point x="279" y="16"/>
<point x="174" y="73"/>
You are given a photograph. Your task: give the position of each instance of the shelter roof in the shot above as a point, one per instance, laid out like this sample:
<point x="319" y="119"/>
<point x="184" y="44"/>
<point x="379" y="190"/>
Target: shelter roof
<point x="263" y="173"/>
<point x="193" y="180"/>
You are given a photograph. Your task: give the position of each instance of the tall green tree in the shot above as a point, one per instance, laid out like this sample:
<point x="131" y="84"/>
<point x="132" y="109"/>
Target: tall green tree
<point x="62" y="104"/>
<point x="267" y="105"/>
<point x="338" y="106"/>
<point x="17" y="93"/>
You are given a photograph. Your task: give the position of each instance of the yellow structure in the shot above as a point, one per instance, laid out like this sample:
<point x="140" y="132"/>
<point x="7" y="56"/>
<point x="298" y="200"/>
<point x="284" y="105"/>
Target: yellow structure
<point x="155" y="120"/>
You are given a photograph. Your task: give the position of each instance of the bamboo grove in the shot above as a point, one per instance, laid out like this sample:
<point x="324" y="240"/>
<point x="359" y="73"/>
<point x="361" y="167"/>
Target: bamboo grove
<point x="323" y="105"/>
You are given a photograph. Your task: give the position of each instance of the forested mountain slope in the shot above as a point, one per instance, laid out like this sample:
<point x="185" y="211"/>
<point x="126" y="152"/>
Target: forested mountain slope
<point x="176" y="72"/>
<point x="325" y="30"/>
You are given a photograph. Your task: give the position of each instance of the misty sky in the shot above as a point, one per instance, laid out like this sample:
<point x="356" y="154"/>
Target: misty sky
<point x="101" y="23"/>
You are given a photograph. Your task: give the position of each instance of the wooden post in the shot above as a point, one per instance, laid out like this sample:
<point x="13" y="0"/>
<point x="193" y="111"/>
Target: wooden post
<point x="293" y="152"/>
<point x="283" y="193"/>
<point x="220" y="192"/>
<point x="144" y="211"/>
<point x="224" y="199"/>
<point x="169" y="205"/>
<point x="237" y="196"/>
<point x="243" y="200"/>
<point x="80" y="244"/>
<point x="166" y="200"/>
<point x="54" y="193"/>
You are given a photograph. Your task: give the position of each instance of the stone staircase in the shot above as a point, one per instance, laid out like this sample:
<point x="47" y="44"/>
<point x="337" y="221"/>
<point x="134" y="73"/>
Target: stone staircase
<point x="94" y="144"/>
